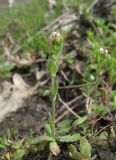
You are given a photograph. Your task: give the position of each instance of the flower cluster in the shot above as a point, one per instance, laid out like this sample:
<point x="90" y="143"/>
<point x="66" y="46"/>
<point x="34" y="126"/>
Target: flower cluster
<point x="103" y="51"/>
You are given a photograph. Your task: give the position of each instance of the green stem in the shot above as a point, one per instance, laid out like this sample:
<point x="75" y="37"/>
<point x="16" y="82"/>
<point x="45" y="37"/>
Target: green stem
<point x="53" y="108"/>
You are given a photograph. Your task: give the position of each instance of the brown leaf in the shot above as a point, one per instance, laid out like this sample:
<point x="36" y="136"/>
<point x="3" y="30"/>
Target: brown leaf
<point x="8" y="156"/>
<point x="39" y="75"/>
<point x="54" y="148"/>
<point x="79" y="67"/>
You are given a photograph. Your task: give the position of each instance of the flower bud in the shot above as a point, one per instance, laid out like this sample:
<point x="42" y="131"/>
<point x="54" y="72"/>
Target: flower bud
<point x="56" y="38"/>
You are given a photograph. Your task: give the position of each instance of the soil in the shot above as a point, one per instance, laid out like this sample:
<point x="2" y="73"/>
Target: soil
<point x="105" y="154"/>
<point x="101" y="154"/>
<point x="30" y="117"/>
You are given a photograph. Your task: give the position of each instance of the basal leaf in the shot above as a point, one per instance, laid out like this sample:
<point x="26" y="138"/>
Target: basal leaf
<point x="65" y="124"/>
<point x="79" y="121"/>
<point x="69" y="138"/>
<point x="69" y="59"/>
<point x="85" y="147"/>
<point x="3" y="143"/>
<point x="74" y="153"/>
<point x="16" y="145"/>
<point x="39" y="139"/>
<point x="18" y="154"/>
<point x="48" y="129"/>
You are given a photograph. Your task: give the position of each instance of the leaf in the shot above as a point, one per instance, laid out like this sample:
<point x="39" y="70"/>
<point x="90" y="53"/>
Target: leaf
<point x="7" y="156"/>
<point x="18" y="154"/>
<point x="74" y="154"/>
<point x="93" y="158"/>
<point x="16" y="145"/>
<point x="52" y="66"/>
<point x="3" y="143"/>
<point x="41" y="146"/>
<point x="99" y="109"/>
<point x="48" y="129"/>
<point x="69" y="138"/>
<point x="78" y="67"/>
<point x="57" y="47"/>
<point x="104" y="135"/>
<point x="79" y="121"/>
<point x="85" y="147"/>
<point x="5" y="67"/>
<point x="54" y="148"/>
<point x="63" y="127"/>
<point x="65" y="124"/>
<point x="39" y="139"/>
<point x="69" y="59"/>
<point x="62" y="131"/>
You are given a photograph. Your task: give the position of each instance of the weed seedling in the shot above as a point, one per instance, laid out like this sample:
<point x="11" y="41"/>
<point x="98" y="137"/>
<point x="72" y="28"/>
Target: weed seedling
<point x="51" y="135"/>
<point x="53" y="65"/>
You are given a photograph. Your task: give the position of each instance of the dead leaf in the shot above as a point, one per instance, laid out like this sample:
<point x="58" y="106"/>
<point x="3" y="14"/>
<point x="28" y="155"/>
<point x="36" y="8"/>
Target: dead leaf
<point x="54" y="148"/>
<point x="16" y="59"/>
<point x="8" y="156"/>
<point x="39" y="74"/>
<point x="79" y="67"/>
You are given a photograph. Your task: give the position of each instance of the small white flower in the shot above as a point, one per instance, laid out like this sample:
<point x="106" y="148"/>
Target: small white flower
<point x="56" y="36"/>
<point x="11" y="3"/>
<point x="103" y="51"/>
<point x="106" y="51"/>
<point x="92" y="78"/>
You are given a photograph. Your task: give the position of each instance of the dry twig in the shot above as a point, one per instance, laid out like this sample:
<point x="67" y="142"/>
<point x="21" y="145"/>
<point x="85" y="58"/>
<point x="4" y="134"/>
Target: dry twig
<point x="68" y="108"/>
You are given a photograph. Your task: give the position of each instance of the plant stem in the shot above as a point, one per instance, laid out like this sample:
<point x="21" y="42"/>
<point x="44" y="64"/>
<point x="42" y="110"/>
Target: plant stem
<point x="50" y="156"/>
<point x="53" y="107"/>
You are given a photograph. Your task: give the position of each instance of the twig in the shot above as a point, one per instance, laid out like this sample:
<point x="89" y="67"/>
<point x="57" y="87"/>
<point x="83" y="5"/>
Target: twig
<point x="101" y="130"/>
<point x="67" y="107"/>
<point x="75" y="86"/>
<point x="59" y="118"/>
<point x="62" y="108"/>
<point x="63" y="111"/>
<point x="41" y="60"/>
<point x="64" y="76"/>
<point x="37" y="85"/>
